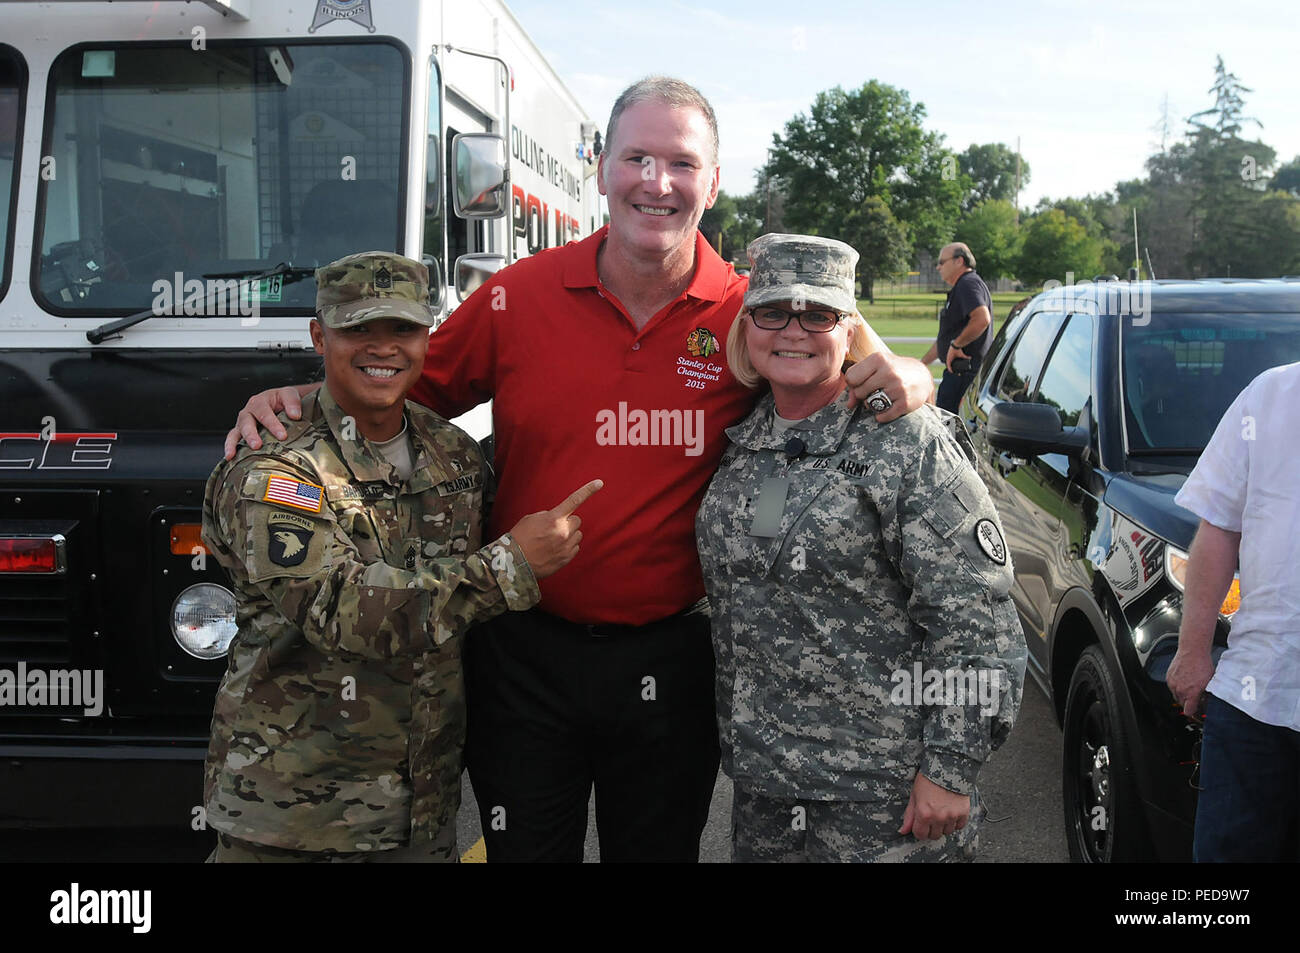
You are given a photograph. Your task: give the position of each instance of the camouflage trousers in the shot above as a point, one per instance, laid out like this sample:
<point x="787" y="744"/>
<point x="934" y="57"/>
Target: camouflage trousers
<point x="440" y="850"/>
<point x="789" y="830"/>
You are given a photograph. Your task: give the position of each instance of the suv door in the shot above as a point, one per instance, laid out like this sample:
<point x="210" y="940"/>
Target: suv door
<point x="1066" y="384"/>
<point x="1019" y="490"/>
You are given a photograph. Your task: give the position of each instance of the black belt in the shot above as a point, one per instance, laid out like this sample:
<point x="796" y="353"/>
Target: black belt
<point x="605" y="630"/>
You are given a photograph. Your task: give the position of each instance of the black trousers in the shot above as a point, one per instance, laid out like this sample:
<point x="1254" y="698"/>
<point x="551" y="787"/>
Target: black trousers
<point x="555" y="707"/>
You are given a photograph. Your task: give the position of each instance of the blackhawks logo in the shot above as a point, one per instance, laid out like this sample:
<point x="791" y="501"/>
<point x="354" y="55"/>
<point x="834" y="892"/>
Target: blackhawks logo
<point x="701" y="343"/>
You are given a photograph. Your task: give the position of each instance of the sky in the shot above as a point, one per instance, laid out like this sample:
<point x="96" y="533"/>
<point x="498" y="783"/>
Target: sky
<point x="1082" y="85"/>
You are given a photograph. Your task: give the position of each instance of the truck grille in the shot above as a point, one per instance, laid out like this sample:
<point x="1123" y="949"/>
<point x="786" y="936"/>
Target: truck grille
<point x="35" y="623"/>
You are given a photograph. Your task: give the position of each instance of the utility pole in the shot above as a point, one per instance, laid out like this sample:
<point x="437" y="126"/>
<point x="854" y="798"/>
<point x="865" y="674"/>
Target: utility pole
<point x="1017" y="181"/>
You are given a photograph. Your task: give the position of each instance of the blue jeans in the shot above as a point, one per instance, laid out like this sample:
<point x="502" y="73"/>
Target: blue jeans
<point x="1249" y="806"/>
<point x="951" y="389"/>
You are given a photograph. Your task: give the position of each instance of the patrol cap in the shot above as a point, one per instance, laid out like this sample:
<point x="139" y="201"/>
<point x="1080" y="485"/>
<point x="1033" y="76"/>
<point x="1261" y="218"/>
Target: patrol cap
<point x="372" y="285"/>
<point x="816" y="271"/>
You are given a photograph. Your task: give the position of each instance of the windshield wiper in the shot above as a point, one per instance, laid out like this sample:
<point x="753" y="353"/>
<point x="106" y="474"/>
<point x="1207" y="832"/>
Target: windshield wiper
<point x="1166" y="451"/>
<point x="285" y="269"/>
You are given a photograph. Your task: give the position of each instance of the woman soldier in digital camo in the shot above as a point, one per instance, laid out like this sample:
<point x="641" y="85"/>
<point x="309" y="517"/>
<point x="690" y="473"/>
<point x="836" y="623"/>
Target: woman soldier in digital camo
<point x="869" y="658"/>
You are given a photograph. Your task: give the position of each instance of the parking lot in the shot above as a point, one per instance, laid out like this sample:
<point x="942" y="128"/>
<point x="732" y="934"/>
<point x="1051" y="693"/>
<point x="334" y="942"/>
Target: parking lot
<point x="1021" y="787"/>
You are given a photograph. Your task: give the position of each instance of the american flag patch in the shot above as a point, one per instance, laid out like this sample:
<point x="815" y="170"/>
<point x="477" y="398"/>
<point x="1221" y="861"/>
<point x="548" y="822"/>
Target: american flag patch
<point x="295" y="493"/>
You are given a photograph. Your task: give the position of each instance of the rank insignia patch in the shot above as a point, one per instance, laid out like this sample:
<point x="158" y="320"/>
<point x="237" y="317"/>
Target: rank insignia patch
<point x="990" y="540"/>
<point x="290" y="492"/>
<point x="383" y="278"/>
<point x="702" y="343"/>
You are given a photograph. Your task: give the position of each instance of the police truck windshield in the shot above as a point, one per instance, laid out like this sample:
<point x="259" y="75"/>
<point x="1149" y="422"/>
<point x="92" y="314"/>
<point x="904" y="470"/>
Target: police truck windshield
<point x="172" y="169"/>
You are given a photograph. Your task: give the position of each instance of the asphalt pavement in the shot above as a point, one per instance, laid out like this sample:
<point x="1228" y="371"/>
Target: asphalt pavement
<point x="1020" y="785"/>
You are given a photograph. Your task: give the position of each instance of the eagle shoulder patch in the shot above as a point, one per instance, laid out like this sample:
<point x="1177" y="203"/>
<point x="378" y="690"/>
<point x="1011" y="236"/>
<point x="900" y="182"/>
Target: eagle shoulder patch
<point x="288" y="539"/>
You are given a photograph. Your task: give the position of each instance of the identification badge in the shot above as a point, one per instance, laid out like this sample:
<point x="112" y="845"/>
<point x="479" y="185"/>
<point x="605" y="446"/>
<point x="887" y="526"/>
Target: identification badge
<point x="771" y="507"/>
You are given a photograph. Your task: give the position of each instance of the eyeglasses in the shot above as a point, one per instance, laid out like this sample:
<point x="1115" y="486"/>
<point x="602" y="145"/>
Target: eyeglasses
<point x="944" y="261"/>
<point x="777" y="319"/>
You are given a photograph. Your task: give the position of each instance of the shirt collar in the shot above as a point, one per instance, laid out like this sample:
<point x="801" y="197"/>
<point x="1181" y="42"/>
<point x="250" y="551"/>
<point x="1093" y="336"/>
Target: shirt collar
<point x="357" y="453"/>
<point x="822" y="432"/>
<point x="432" y="464"/>
<point x="708" y="283"/>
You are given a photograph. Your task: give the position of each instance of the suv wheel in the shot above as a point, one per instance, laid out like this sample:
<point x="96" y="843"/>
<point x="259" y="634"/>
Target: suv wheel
<point x="1102" y="817"/>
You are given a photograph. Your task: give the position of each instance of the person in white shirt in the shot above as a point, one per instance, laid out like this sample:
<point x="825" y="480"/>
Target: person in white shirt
<point x="1246" y="490"/>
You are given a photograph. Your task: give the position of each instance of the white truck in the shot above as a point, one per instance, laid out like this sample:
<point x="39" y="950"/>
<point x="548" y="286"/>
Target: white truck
<point x="171" y="174"/>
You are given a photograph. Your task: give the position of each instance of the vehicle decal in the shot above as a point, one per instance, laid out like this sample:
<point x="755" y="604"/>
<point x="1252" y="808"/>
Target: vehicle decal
<point x="328" y="11"/>
<point x="1133" y="564"/>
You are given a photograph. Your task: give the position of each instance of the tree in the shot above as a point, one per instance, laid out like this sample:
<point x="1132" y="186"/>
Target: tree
<point x="1055" y="245"/>
<point x="869" y="142"/>
<point x="718" y="221"/>
<point x="1287" y="177"/>
<point x="991" y="169"/>
<point x="750" y="210"/>
<point x="1100" y="219"/>
<point x="880" y="240"/>
<point x="1229" y="105"/>
<point x="991" y="232"/>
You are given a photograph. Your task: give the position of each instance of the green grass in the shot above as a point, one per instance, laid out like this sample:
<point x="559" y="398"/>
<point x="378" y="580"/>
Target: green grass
<point x="916" y="314"/>
<point x="909" y="348"/>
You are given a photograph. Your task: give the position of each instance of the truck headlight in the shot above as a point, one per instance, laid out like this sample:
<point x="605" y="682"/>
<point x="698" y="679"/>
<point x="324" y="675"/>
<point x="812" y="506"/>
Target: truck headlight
<point x="203" y="620"/>
<point x="1176" y="569"/>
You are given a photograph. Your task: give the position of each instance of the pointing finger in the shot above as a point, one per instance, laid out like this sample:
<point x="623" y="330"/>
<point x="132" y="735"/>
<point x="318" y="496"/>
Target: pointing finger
<point x="578" y="497"/>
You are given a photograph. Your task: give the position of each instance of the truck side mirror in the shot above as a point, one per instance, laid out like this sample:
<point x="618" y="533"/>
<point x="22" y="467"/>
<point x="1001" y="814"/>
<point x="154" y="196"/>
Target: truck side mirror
<point x="437" y="291"/>
<point x="473" y="270"/>
<point x="482" y="179"/>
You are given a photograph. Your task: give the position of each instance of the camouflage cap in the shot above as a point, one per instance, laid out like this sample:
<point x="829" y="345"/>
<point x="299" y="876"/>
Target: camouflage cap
<point x="372" y="285"/>
<point x="807" y="269"/>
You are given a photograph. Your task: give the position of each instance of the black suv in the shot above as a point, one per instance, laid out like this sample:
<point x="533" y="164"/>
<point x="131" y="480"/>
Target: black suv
<point x="1088" y="413"/>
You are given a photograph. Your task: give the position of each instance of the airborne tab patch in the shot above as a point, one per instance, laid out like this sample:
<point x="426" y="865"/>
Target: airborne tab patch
<point x="287" y="539"/>
<point x="290" y="492"/>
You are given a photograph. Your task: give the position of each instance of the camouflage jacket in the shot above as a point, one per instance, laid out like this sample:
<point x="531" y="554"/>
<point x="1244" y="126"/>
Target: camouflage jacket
<point x="887" y="575"/>
<point x="340" y="722"/>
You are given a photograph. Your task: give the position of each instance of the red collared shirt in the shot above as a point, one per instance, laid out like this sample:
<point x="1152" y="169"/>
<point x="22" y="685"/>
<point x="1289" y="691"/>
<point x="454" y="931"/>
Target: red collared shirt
<point x="580" y="394"/>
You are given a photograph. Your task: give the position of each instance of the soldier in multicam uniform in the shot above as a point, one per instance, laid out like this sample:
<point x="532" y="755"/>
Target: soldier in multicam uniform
<point x="355" y="550"/>
<point x="845" y="560"/>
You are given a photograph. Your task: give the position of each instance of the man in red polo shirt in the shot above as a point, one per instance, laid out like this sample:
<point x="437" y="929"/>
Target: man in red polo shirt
<point x="603" y="360"/>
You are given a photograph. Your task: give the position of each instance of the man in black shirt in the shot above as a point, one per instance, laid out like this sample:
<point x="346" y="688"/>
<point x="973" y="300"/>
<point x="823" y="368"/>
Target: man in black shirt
<point x="965" y="326"/>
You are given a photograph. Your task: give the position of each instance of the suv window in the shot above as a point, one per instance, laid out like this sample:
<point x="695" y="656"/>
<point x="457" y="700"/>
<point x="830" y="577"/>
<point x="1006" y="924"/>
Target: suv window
<point x="1181" y="371"/>
<point x="13" y="90"/>
<point x="1022" y="369"/>
<point x="1067" y="380"/>
<point x="216" y="163"/>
